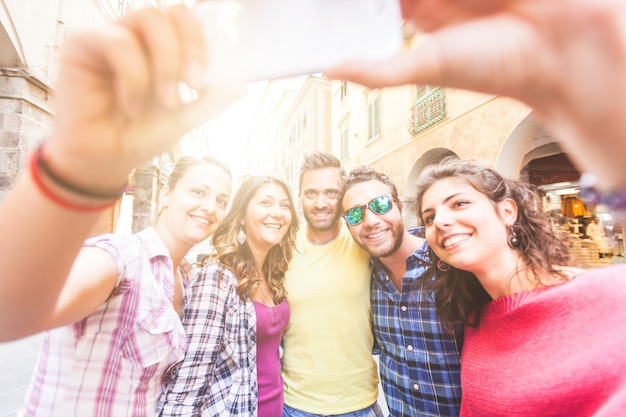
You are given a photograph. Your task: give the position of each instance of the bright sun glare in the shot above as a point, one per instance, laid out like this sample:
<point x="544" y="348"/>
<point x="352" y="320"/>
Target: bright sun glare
<point x="227" y="133"/>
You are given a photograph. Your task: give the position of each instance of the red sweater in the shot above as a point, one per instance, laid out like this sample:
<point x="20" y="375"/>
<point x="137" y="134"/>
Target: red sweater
<point x="556" y="351"/>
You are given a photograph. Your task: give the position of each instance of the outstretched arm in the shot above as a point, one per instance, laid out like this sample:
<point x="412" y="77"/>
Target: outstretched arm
<point x="116" y="106"/>
<point x="564" y="58"/>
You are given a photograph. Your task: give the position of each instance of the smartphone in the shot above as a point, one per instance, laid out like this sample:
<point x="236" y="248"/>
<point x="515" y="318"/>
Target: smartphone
<point x="254" y="40"/>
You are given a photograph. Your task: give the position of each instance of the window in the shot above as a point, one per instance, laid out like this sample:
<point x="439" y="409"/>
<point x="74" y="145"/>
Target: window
<point x="303" y="122"/>
<point x="373" y="116"/>
<point x="293" y="135"/>
<point x="343" y="90"/>
<point x="345" y="137"/>
<point x="122" y="5"/>
<point x="429" y="108"/>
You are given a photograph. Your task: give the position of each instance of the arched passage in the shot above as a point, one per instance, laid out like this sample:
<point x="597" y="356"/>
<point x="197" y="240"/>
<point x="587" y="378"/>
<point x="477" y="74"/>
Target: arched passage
<point x="430" y="157"/>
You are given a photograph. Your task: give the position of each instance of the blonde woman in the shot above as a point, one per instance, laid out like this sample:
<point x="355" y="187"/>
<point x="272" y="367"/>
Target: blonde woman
<point x="117" y="324"/>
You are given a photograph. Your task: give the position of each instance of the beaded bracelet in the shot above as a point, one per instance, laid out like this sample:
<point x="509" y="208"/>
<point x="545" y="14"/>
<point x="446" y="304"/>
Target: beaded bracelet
<point x="615" y="200"/>
<point x="38" y="166"/>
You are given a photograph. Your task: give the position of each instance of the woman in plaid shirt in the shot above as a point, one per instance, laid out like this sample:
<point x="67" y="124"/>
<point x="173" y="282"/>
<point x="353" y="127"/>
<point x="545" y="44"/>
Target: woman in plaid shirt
<point x="236" y="312"/>
<point x="119" y="316"/>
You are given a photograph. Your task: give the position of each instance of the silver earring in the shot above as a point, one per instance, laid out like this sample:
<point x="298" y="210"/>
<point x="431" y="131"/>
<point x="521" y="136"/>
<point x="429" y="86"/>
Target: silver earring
<point x="514" y="240"/>
<point x="442" y="266"/>
<point x="241" y="236"/>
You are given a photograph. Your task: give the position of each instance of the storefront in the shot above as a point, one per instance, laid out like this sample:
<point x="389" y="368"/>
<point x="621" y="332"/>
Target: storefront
<point x="591" y="232"/>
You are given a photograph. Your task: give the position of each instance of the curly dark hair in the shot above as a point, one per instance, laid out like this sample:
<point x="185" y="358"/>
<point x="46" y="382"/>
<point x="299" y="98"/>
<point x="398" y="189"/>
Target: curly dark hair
<point x="458" y="294"/>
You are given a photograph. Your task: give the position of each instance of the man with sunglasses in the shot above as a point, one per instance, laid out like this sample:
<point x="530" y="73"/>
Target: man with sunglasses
<point x="327" y="366"/>
<point x="419" y="358"/>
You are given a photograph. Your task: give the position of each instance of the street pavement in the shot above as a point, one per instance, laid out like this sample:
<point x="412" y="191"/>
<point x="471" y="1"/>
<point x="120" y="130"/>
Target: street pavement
<point x="17" y="361"/>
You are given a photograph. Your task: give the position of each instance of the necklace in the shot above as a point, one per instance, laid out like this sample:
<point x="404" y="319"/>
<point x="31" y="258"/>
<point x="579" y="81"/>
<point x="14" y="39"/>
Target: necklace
<point x="265" y="296"/>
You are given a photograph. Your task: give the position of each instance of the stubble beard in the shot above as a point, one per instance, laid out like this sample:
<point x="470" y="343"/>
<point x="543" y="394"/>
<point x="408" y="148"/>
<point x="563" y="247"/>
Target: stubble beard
<point x="321" y="225"/>
<point x="389" y="247"/>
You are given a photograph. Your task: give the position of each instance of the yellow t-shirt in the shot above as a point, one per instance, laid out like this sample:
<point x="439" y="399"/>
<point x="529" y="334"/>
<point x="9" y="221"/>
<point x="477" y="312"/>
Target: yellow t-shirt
<point x="328" y="366"/>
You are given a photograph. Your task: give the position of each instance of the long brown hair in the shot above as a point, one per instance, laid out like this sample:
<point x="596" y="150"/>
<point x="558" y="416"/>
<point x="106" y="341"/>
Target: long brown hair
<point x="458" y="294"/>
<point x="238" y="258"/>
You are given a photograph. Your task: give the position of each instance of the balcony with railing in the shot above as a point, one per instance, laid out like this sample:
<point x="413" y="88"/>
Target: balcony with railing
<point x="429" y="108"/>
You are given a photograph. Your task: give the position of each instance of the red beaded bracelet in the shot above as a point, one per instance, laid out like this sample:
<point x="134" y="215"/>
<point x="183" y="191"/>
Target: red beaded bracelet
<point x="37" y="166"/>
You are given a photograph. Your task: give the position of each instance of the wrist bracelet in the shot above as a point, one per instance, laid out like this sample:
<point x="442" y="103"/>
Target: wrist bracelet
<point x="45" y="169"/>
<point x="34" y="166"/>
<point x="615" y="200"/>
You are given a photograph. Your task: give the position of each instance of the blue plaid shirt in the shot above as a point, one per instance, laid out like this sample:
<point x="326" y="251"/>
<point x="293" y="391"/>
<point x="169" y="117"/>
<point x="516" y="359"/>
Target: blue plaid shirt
<point x="419" y="359"/>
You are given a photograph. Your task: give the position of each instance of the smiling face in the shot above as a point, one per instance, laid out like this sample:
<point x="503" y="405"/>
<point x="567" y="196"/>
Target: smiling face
<point x="380" y="235"/>
<point x="267" y="219"/>
<point x="465" y="228"/>
<point x="196" y="205"/>
<point x="319" y="196"/>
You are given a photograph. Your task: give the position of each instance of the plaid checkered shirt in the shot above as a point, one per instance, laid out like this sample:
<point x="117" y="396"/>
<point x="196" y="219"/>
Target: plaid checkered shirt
<point x="218" y="375"/>
<point x="111" y="362"/>
<point x="419" y="359"/>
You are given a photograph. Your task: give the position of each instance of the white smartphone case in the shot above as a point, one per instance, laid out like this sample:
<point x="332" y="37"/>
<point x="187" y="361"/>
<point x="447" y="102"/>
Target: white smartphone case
<point x="253" y="40"/>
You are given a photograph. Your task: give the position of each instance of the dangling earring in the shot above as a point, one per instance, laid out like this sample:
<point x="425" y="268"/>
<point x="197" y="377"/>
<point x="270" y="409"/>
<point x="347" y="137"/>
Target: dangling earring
<point x="442" y="266"/>
<point x="241" y="236"/>
<point x="514" y="240"/>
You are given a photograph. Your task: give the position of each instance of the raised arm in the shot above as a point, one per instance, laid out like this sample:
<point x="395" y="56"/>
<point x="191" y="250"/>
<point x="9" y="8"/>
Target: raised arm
<point x="564" y="58"/>
<point x="117" y="105"/>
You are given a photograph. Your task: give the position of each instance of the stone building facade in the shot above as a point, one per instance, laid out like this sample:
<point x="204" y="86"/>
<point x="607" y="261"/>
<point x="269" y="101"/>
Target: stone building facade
<point x="31" y="35"/>
<point x="400" y="130"/>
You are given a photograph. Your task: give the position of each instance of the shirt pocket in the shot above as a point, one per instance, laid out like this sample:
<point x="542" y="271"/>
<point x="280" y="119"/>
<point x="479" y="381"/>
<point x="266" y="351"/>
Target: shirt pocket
<point x="154" y="340"/>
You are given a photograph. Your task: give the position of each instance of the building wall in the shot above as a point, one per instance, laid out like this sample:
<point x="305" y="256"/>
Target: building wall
<point x="495" y="131"/>
<point x="31" y="35"/>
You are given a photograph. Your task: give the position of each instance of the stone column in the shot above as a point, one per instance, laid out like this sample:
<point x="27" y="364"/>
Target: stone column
<point x="25" y="120"/>
<point x="146" y="191"/>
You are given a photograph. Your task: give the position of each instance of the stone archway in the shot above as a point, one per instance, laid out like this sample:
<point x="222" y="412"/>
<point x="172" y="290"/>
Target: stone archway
<point x="11" y="52"/>
<point x="522" y="140"/>
<point x="432" y="156"/>
<point x="532" y="153"/>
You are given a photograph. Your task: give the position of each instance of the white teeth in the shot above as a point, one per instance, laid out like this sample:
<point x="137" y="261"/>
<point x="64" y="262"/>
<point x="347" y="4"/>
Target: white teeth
<point x="273" y="226"/>
<point x="454" y="239"/>
<point x="201" y="220"/>
<point x="375" y="235"/>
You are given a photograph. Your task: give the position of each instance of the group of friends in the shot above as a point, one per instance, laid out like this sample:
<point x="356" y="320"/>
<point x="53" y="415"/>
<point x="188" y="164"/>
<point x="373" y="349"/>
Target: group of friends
<point x="479" y="312"/>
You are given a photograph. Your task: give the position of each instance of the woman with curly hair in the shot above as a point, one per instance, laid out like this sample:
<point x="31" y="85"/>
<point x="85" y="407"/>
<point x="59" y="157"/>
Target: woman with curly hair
<point x="542" y="337"/>
<point x="236" y="312"/>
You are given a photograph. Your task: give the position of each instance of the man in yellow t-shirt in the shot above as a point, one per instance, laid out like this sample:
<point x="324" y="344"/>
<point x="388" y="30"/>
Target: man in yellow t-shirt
<point x="328" y="367"/>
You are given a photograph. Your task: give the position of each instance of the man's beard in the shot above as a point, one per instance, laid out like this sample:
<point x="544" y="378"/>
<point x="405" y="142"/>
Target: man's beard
<point x="321" y="224"/>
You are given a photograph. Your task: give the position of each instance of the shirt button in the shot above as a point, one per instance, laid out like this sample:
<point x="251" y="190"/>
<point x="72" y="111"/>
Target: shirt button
<point x="409" y="347"/>
<point x="416" y="387"/>
<point x="403" y="308"/>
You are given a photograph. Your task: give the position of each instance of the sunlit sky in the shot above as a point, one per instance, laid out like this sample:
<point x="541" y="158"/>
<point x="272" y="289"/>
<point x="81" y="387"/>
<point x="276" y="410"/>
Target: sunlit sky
<point x="228" y="132"/>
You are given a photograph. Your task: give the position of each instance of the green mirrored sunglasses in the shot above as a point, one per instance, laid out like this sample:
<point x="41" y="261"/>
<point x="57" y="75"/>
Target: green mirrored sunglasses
<point x="379" y="205"/>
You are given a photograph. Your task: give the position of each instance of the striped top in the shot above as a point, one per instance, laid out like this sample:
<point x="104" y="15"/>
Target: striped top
<point x="111" y="362"/>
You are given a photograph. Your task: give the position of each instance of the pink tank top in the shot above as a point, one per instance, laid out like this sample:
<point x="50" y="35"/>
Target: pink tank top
<point x="270" y="328"/>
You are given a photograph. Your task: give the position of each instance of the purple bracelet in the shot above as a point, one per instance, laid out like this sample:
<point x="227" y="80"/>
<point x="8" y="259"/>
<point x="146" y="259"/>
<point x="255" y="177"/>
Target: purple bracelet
<point x="615" y="200"/>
